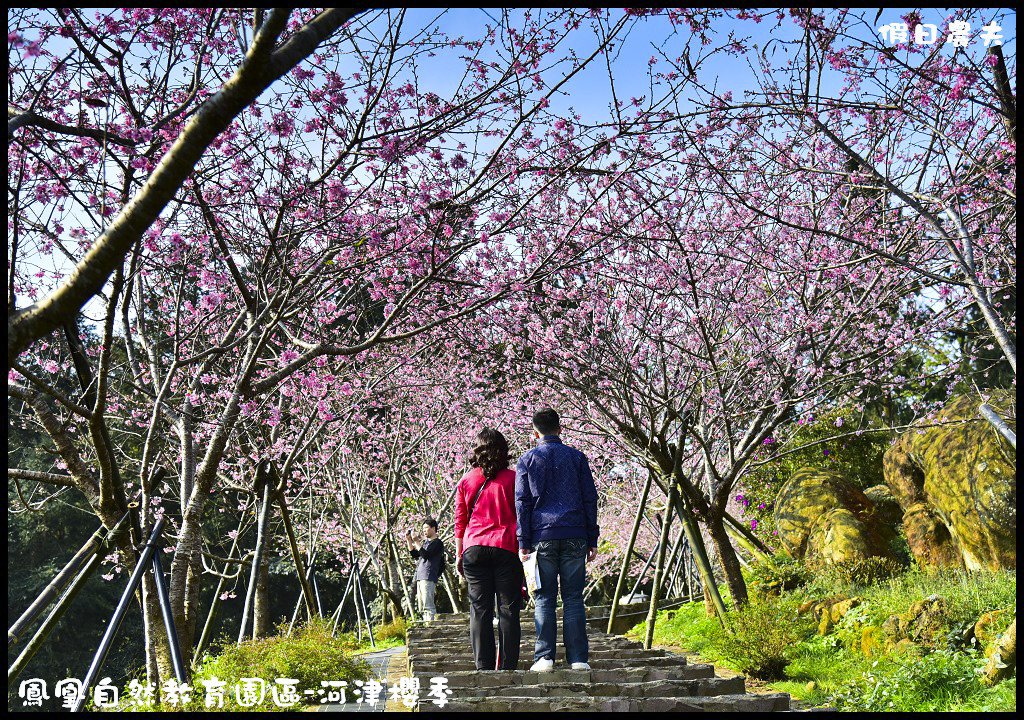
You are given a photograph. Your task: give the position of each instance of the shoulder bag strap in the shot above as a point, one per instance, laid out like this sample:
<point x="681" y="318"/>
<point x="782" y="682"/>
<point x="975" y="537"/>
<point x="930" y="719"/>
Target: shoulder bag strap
<point x="475" y="498"/>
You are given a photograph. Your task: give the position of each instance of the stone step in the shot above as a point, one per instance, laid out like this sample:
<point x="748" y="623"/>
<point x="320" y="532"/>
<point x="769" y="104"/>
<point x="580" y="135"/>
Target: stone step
<point x="594" y="639"/>
<point x="526" y="629"/>
<point x="441" y="666"/>
<point x="624" y="676"/>
<point x="479" y="679"/>
<point x="462" y="652"/>
<point x="774" y="702"/>
<point x="702" y="687"/>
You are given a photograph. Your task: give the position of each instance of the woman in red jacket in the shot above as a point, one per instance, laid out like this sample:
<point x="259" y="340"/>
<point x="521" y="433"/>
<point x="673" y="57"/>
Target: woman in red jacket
<point x="485" y="541"/>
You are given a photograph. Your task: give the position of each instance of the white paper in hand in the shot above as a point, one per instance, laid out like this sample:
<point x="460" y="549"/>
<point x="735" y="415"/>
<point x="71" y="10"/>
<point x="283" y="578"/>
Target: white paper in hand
<point x="532" y="573"/>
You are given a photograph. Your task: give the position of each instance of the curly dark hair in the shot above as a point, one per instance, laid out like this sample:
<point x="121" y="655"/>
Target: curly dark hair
<point x="490" y="453"/>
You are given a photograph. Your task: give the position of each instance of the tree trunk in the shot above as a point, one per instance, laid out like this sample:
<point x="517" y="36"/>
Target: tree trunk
<point x="261" y="610"/>
<point x="158" y="652"/>
<point x="263" y="514"/>
<point x="410" y="604"/>
<point x="730" y="563"/>
<point x="700" y="557"/>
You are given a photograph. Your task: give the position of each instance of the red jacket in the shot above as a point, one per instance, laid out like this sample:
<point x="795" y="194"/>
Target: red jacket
<point x="494" y="516"/>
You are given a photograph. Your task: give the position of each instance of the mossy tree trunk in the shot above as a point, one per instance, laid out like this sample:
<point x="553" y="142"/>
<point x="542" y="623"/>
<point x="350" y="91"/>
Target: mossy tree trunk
<point x="729" y="561"/>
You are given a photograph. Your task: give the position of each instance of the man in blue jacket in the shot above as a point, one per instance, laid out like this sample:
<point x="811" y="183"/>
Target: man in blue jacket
<point x="556" y="513"/>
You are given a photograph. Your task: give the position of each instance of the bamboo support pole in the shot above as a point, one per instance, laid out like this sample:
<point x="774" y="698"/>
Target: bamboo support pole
<point x="624" y="570"/>
<point x="307" y="591"/>
<point x="652" y="610"/>
<point x="700" y="556"/>
<point x="59" y="583"/>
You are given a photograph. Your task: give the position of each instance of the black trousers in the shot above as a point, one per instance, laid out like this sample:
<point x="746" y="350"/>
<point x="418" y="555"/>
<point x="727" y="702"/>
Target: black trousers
<point x="492" y="572"/>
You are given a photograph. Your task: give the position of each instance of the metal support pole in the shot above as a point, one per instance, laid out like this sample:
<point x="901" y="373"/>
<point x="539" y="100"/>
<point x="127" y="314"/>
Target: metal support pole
<point x="316" y="594"/>
<point x="122" y="607"/>
<point x="344" y="597"/>
<point x="165" y="609"/>
<point x="299" y="602"/>
<point x="359" y="612"/>
<point x="307" y="591"/>
<point x="248" y="609"/>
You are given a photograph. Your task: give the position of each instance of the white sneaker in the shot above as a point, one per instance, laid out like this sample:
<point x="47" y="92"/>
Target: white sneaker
<point x="543" y="665"/>
<point x="580" y="666"/>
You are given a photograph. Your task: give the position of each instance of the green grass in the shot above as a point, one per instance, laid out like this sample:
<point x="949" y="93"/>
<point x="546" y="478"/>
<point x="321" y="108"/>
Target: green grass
<point x="384" y="636"/>
<point x="968" y="594"/>
<point x="832" y="670"/>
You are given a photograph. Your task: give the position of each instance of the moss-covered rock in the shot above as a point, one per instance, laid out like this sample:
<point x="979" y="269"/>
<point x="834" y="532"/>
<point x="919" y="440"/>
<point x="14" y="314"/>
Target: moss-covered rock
<point x="887" y="507"/>
<point x="873" y="641"/>
<point x="1002" y="662"/>
<point x="829" y="611"/>
<point x="907" y="647"/>
<point x="990" y="627"/>
<point x="822" y="517"/>
<point x="956" y="482"/>
<point x="837" y="536"/>
<point x="929" y="538"/>
<point x="924" y="623"/>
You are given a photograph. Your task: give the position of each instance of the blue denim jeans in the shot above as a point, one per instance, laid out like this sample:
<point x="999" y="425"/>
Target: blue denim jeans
<point x="562" y="563"/>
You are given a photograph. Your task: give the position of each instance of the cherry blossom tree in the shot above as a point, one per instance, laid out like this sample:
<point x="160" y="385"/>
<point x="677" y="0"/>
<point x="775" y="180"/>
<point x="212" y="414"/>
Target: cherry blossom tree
<point x="700" y="328"/>
<point x="921" y="133"/>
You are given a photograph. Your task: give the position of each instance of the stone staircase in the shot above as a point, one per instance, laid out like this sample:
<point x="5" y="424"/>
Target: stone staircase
<point x="623" y="676"/>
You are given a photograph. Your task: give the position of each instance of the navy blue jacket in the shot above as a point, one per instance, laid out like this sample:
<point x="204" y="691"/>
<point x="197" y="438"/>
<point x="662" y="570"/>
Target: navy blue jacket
<point x="428" y="560"/>
<point x="555" y="495"/>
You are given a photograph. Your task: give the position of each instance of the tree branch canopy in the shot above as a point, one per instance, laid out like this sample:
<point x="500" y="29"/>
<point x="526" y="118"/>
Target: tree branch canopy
<point x="259" y="70"/>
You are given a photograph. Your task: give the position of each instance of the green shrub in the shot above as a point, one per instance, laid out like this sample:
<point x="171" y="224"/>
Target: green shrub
<point x="763" y="634"/>
<point x="913" y="684"/>
<point x="778" y="573"/>
<point x="868" y="571"/>
<point x="823" y="668"/>
<point x="309" y="656"/>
